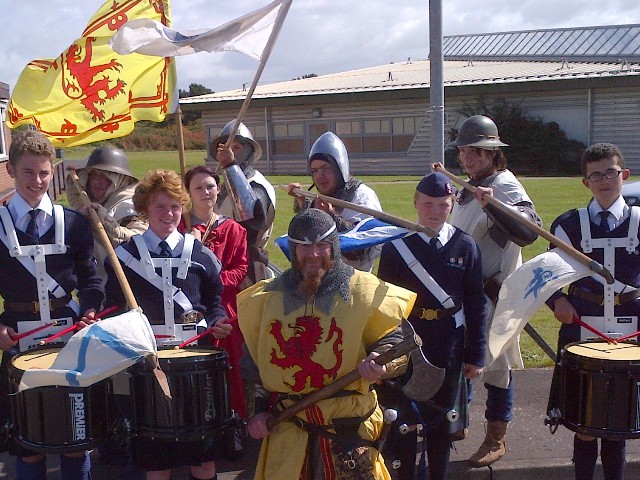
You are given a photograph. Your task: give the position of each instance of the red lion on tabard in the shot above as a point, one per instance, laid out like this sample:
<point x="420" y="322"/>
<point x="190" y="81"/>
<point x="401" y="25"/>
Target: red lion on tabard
<point x="298" y="350"/>
<point x="90" y="90"/>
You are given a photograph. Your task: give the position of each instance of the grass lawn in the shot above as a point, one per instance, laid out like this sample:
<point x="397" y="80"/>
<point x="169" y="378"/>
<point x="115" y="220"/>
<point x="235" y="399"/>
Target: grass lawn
<point x="552" y="196"/>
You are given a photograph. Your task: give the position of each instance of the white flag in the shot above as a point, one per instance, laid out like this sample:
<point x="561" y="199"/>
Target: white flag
<point x="525" y="291"/>
<point x="97" y="352"/>
<point x="248" y="34"/>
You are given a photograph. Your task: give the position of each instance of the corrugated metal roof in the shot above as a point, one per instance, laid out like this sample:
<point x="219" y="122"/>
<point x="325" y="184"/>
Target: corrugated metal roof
<point x="415" y="74"/>
<point x="585" y="44"/>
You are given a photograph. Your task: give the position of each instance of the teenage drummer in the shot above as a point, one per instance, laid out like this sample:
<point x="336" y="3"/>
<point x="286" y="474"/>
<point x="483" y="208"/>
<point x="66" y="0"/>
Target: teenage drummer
<point x="33" y="227"/>
<point x="607" y="231"/>
<point x="194" y="297"/>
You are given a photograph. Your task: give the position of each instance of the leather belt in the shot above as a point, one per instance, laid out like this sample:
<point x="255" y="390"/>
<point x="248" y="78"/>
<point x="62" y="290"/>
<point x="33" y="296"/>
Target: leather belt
<point x="191" y="317"/>
<point x="437" y="314"/>
<point x="598" y="299"/>
<point x="34" y="307"/>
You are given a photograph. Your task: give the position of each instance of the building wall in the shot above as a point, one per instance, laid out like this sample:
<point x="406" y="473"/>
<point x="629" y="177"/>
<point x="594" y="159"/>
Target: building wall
<point x="585" y="113"/>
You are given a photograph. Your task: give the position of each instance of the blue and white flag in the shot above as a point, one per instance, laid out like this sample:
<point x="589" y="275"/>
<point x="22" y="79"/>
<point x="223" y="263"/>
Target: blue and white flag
<point x="525" y="291"/>
<point x="366" y="233"/>
<point x="97" y="352"/>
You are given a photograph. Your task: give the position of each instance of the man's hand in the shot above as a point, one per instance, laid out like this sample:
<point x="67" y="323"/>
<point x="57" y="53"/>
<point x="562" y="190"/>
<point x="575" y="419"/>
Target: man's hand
<point x="471" y="371"/>
<point x="222" y="329"/>
<point x="564" y="311"/>
<point x="225" y="155"/>
<point x="299" y="198"/>
<point x="5" y="337"/>
<point x="480" y="193"/>
<point x="88" y="318"/>
<point x="257" y="425"/>
<point x="325" y="206"/>
<point x="370" y="370"/>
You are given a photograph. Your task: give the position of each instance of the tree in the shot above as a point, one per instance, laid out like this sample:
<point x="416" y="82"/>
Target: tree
<point x="195" y="89"/>
<point x="535" y="147"/>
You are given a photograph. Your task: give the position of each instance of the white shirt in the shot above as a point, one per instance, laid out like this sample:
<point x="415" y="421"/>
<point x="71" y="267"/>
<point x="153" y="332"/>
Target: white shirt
<point x="19" y="210"/>
<point x="175" y="241"/>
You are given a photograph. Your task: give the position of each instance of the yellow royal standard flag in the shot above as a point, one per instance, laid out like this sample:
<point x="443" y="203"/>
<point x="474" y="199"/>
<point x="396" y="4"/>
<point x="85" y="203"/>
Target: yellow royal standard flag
<point x="89" y="92"/>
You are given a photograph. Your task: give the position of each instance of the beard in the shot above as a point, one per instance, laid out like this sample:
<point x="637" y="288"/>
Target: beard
<point x="311" y="279"/>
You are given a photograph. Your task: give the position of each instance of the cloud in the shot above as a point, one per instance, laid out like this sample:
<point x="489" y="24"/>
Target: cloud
<point x="319" y="36"/>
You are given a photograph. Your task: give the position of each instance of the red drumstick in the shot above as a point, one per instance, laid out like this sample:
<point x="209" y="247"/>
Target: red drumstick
<point x="159" y="335"/>
<point x="594" y="330"/>
<point x="73" y="327"/>
<point x="627" y="337"/>
<point x="15" y="338"/>
<point x="197" y="337"/>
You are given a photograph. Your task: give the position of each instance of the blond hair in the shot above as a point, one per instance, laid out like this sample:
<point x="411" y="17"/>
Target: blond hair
<point x="165" y="181"/>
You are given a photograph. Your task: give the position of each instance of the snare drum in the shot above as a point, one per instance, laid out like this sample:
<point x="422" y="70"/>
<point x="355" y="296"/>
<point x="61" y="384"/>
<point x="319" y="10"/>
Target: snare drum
<point x="199" y="407"/>
<point x="56" y="419"/>
<point x="600" y="389"/>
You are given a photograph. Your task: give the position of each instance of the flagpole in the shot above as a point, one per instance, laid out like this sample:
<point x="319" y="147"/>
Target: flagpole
<point x="104" y="239"/>
<point x="183" y="162"/>
<point x="282" y="13"/>
<point x="386" y="217"/>
<point x="565" y="247"/>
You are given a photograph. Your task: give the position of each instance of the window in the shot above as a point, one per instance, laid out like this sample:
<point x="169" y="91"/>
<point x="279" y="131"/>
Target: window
<point x="288" y="139"/>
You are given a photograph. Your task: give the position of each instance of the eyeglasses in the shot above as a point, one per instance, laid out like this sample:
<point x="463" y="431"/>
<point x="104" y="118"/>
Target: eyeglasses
<point x="608" y="174"/>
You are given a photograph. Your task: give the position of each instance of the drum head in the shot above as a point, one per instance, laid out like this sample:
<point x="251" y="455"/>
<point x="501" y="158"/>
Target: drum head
<point x="37" y="358"/>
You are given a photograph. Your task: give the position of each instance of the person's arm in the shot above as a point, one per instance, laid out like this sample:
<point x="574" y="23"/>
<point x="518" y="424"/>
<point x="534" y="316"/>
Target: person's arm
<point x="88" y="283"/>
<point x="475" y="309"/>
<point x="514" y="230"/>
<point x="211" y="289"/>
<point x="119" y="232"/>
<point x="235" y="263"/>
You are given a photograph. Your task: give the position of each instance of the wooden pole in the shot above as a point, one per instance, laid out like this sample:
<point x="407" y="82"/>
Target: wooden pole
<point x="106" y="243"/>
<point x="385" y="217"/>
<point x="183" y="163"/>
<point x="565" y="247"/>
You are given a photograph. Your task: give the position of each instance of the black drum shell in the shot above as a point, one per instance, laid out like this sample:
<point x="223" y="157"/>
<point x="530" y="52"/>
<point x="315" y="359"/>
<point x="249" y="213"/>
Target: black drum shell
<point x="200" y="405"/>
<point x="45" y="419"/>
<point x="600" y="396"/>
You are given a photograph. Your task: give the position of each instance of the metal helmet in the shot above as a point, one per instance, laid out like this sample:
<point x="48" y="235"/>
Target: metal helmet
<point x="478" y="131"/>
<point x="109" y="159"/>
<point x="243" y="135"/>
<point x="330" y="144"/>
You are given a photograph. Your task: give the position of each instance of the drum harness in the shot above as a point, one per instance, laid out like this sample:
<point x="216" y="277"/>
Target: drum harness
<point x="145" y="267"/>
<point x="33" y="259"/>
<point x="613" y="294"/>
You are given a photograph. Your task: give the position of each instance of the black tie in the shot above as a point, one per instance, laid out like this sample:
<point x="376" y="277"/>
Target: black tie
<point x="32" y="226"/>
<point x="604" y="224"/>
<point x="434" y="242"/>
<point x="165" y="250"/>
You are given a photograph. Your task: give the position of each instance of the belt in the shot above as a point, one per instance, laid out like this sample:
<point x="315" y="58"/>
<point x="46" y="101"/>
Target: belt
<point x="34" y="307"/>
<point x="191" y="317"/>
<point x="437" y="314"/>
<point x="598" y="299"/>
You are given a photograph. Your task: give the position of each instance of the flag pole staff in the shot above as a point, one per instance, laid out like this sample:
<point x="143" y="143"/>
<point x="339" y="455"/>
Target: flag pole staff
<point x="183" y="162"/>
<point x="106" y="243"/>
<point x="380" y="215"/>
<point x="565" y="247"/>
<point x="282" y="13"/>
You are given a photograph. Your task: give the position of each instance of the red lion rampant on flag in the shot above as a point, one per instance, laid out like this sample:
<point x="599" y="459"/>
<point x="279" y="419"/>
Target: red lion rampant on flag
<point x="86" y="86"/>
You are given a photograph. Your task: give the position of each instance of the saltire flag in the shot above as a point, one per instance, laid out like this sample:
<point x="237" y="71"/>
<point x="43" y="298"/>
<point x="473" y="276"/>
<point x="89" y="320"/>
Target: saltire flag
<point x="248" y="34"/>
<point x="369" y="232"/>
<point x="97" y="352"/>
<point x="89" y="93"/>
<point x="525" y="291"/>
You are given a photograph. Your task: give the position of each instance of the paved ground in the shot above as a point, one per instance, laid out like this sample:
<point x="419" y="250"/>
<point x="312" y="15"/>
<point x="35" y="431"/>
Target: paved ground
<point x="533" y="452"/>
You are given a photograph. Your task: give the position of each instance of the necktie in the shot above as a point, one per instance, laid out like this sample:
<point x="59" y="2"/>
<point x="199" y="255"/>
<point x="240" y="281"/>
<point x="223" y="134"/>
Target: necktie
<point x="165" y="250"/>
<point x="604" y="224"/>
<point x="434" y="243"/>
<point x="32" y="226"/>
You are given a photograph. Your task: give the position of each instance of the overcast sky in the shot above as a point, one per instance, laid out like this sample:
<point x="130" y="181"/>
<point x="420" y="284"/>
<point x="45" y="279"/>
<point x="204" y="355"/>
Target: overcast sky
<point x="318" y="36"/>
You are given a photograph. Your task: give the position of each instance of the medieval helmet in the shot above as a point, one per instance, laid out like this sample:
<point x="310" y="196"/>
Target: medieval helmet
<point x="252" y="149"/>
<point x="329" y="147"/>
<point x="310" y="226"/>
<point x="109" y="159"/>
<point x="478" y="131"/>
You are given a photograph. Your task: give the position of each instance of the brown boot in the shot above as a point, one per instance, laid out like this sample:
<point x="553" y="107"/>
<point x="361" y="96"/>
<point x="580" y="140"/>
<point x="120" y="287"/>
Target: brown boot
<point x="493" y="447"/>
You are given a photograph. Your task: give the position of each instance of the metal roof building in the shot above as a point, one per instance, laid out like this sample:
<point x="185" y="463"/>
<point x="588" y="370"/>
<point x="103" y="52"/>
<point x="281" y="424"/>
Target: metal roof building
<point x="585" y="79"/>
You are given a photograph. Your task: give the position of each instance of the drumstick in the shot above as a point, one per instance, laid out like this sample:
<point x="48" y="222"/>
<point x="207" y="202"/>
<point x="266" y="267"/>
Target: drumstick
<point x="197" y="337"/>
<point x="75" y="326"/>
<point x="159" y="335"/>
<point x="627" y="337"/>
<point x="594" y="330"/>
<point x="15" y="338"/>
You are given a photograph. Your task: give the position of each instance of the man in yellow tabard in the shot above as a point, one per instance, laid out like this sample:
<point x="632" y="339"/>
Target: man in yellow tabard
<point x="316" y="322"/>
